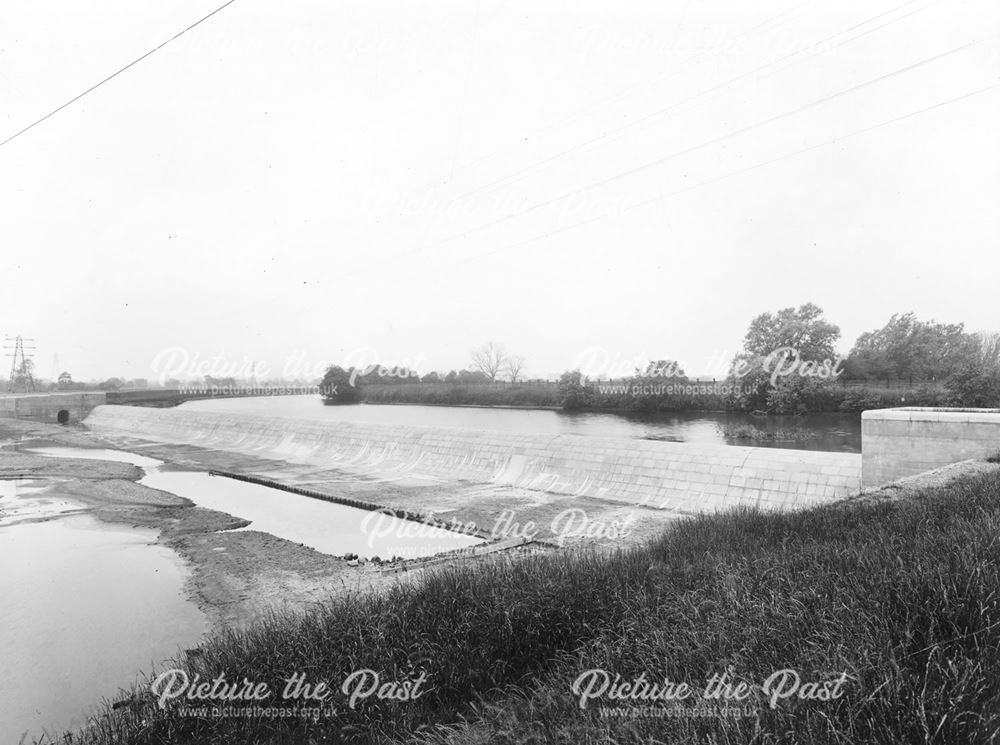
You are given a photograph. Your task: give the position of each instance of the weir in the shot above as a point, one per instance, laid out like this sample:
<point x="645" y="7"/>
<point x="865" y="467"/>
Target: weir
<point x="676" y="476"/>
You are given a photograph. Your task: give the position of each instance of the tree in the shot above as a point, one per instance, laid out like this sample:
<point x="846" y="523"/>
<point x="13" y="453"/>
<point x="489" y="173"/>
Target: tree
<point x="573" y="390"/>
<point x="803" y="329"/>
<point x="977" y="382"/>
<point x="789" y="343"/>
<point x="989" y="348"/>
<point x="974" y="386"/>
<point x="750" y="388"/>
<point x="514" y="366"/>
<point x="795" y="395"/>
<point x="340" y="386"/>
<point x="431" y="377"/>
<point x="472" y="377"/>
<point x="908" y="348"/>
<point x="111" y="384"/>
<point x="489" y="360"/>
<point x="65" y="379"/>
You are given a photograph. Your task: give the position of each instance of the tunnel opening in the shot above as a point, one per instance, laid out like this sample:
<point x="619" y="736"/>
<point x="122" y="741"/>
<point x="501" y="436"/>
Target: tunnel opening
<point x="63" y="416"/>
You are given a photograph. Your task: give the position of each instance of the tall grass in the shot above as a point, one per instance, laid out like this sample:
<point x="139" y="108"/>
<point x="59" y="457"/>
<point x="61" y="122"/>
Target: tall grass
<point x="750" y="432"/>
<point x="903" y="596"/>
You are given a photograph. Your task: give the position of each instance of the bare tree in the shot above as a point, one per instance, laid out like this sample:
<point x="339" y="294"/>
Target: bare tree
<point x="514" y="366"/>
<point x="989" y="347"/>
<point x="489" y="360"/>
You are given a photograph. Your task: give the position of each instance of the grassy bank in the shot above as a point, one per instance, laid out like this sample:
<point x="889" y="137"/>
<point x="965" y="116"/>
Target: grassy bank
<point x="903" y="596"/>
<point x="459" y="394"/>
<point x="626" y="395"/>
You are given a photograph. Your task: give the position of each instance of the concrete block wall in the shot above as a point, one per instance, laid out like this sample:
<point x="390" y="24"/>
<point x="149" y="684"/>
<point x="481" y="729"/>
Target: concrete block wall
<point x="46" y="407"/>
<point x="679" y="476"/>
<point x="907" y="441"/>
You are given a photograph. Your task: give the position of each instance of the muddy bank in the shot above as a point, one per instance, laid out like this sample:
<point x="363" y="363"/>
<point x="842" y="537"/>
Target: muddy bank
<point x="13" y="430"/>
<point x="237" y="577"/>
<point x="241" y="575"/>
<point x="497" y="510"/>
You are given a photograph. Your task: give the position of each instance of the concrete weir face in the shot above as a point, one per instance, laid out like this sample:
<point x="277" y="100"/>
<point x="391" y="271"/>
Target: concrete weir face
<point x="668" y="475"/>
<point x="908" y="441"/>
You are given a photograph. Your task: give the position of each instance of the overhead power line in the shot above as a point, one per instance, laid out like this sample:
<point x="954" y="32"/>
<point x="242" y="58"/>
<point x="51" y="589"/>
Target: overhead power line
<point x="733" y="174"/>
<point x="686" y="151"/>
<point x="665" y="73"/>
<point x="114" y="75"/>
<point x="605" y="137"/>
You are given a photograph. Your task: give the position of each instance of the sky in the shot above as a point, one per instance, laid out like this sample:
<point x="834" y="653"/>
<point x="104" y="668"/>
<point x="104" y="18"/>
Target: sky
<point x="592" y="185"/>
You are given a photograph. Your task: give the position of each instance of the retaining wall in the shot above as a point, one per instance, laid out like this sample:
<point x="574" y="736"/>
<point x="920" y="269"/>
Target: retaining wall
<point x="904" y="442"/>
<point x="685" y="477"/>
<point x="45" y="407"/>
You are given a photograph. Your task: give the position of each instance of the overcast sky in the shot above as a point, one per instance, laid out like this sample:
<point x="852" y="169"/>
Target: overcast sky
<point x="294" y="182"/>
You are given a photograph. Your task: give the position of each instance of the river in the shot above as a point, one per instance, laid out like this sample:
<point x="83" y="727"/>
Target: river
<point x="825" y="432"/>
<point x="86" y="606"/>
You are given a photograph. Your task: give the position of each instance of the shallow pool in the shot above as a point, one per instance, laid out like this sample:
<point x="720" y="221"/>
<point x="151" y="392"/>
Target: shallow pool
<point x="328" y="527"/>
<point x="86" y="605"/>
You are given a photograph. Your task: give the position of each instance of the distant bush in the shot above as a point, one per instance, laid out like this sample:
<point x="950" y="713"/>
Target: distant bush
<point x="926" y="395"/>
<point x="974" y="386"/>
<point x="338" y="387"/>
<point x="857" y="400"/>
<point x="794" y="394"/>
<point x="573" y="391"/>
<point x="750" y="432"/>
<point x="798" y="395"/>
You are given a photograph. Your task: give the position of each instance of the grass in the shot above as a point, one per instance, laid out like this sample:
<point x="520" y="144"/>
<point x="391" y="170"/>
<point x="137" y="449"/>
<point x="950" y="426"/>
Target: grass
<point x="750" y="432"/>
<point x="904" y="596"/>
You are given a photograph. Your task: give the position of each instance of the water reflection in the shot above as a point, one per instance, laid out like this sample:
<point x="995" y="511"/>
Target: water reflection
<point x="827" y="432"/>
<point x="330" y="528"/>
<point x="85" y="606"/>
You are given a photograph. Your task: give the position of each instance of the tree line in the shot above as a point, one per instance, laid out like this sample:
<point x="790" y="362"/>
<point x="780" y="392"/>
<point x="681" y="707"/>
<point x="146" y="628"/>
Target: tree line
<point x="788" y="364"/>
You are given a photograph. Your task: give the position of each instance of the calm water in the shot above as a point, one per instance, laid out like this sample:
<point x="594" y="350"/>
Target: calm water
<point x="829" y="432"/>
<point x="85" y="606"/>
<point x="330" y="528"/>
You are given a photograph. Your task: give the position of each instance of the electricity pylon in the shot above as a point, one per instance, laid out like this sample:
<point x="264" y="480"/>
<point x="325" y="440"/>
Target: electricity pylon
<point x="20" y="372"/>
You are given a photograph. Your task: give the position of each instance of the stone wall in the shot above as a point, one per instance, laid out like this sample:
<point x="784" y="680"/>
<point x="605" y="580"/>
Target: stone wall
<point x="684" y="477"/>
<point x="46" y="407"/>
<point x="904" y="442"/>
